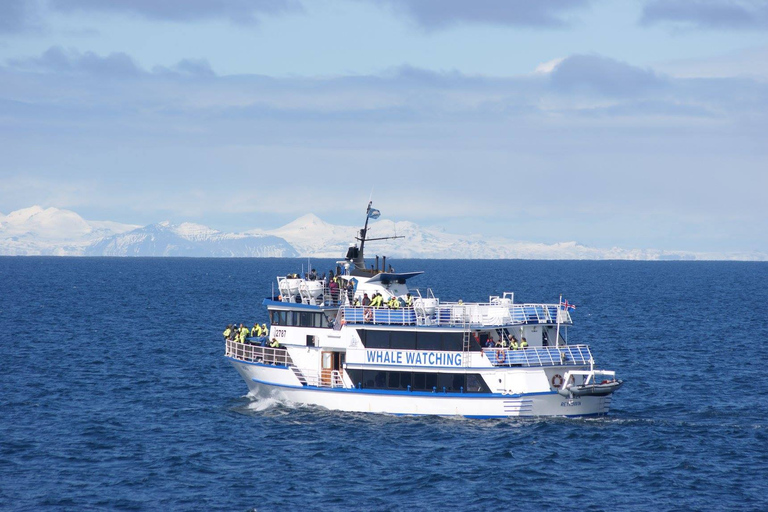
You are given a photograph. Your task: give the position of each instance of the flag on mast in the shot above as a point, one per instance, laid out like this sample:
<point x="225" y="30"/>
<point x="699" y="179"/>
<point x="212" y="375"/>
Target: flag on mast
<point x="373" y="213"/>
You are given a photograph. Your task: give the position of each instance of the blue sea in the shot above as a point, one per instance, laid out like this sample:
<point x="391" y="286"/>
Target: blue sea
<point x="115" y="395"/>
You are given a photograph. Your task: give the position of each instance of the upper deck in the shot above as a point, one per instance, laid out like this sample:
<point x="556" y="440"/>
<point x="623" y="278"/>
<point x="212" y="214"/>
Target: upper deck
<point x="457" y="314"/>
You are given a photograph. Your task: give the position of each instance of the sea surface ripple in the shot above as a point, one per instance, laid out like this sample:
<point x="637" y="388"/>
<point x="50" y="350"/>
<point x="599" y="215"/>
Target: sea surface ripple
<point x="115" y="395"/>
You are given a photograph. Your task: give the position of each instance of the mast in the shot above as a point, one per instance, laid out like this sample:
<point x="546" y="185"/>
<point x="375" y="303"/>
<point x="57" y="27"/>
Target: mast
<point x="355" y="254"/>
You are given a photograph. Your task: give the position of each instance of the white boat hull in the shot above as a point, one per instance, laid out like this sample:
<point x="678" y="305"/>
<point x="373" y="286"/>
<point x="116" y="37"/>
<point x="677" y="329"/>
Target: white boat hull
<point x="281" y="383"/>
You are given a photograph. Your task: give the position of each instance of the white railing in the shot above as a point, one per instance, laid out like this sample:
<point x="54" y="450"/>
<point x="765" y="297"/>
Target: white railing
<point x="458" y="314"/>
<point x="564" y="355"/>
<point x="258" y="354"/>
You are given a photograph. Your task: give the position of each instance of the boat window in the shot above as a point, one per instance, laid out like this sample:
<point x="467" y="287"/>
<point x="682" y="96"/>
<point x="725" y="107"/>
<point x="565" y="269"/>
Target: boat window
<point x="377" y="339"/>
<point x="404" y="340"/>
<point x="445" y="381"/>
<point x="475" y="383"/>
<point x="380" y="379"/>
<point x="431" y="380"/>
<point x="453" y="341"/>
<point x="429" y="341"/>
<point x="368" y="378"/>
<point x="419" y="381"/>
<point x="305" y="319"/>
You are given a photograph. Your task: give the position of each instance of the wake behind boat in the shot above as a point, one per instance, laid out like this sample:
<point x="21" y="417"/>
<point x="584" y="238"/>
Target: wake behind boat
<point x="362" y="340"/>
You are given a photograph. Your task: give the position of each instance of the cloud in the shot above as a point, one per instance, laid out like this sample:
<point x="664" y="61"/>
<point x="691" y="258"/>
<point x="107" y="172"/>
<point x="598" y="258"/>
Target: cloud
<point x="708" y="14"/>
<point x="159" y="138"/>
<point x="437" y="14"/>
<point x="18" y="16"/>
<point x="238" y="11"/>
<point x="59" y="60"/>
<point x="604" y="76"/>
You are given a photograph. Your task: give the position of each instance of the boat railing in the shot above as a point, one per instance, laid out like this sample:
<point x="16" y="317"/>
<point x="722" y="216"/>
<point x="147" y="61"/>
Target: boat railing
<point x="257" y="354"/>
<point x="297" y="290"/>
<point x="458" y="314"/>
<point x="564" y="355"/>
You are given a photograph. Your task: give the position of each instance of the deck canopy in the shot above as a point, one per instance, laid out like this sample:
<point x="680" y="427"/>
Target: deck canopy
<point x="389" y="277"/>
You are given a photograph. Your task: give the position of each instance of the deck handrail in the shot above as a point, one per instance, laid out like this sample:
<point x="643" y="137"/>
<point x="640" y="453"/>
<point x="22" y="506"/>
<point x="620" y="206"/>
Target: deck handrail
<point x="258" y="354"/>
<point x="564" y="355"/>
<point x="457" y="314"/>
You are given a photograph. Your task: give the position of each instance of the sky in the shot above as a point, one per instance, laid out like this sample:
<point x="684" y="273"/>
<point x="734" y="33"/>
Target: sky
<point x="622" y="123"/>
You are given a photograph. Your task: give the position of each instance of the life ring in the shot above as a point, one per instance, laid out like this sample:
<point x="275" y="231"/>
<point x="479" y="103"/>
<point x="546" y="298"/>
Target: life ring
<point x="500" y="356"/>
<point x="368" y="314"/>
<point x="557" y="380"/>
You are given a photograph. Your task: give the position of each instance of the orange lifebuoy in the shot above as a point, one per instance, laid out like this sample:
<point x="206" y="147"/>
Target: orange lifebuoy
<point x="557" y="380"/>
<point x="500" y="356"/>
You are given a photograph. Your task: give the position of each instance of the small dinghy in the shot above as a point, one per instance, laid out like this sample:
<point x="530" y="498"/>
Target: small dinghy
<point x="593" y="383"/>
<point x="603" y="389"/>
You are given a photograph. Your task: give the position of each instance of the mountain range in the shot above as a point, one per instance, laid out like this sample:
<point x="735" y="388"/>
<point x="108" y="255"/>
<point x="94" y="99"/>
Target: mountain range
<point x="53" y="231"/>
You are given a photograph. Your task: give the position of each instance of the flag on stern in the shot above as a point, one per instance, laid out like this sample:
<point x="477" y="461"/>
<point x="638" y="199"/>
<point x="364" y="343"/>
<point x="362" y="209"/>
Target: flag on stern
<point x="566" y="306"/>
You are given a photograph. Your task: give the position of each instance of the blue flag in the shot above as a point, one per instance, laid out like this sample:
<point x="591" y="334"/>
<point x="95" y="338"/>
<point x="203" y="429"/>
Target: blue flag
<point x="374" y="213"/>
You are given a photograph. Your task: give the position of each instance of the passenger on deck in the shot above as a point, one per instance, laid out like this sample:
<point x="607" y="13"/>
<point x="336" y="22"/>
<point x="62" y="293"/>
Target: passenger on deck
<point x="256" y="330"/>
<point x="490" y="343"/>
<point x="504" y="341"/>
<point x="523" y="343"/>
<point x="227" y="331"/>
<point x="513" y="343"/>
<point x="312" y="275"/>
<point x="273" y="343"/>
<point x="394" y="303"/>
<point x="334" y="287"/>
<point x="377" y="300"/>
<point x="366" y="300"/>
<point x="264" y="330"/>
<point x="408" y="300"/>
<point x="244" y="333"/>
<point x="350" y="292"/>
<point x="356" y="302"/>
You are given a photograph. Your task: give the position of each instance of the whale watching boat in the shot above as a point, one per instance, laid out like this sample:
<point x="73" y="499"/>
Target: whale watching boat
<point x="409" y="352"/>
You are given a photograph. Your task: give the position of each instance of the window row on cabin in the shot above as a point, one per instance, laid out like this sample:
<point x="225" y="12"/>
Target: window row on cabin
<point x="412" y="340"/>
<point x="418" y="381"/>
<point x="298" y="318"/>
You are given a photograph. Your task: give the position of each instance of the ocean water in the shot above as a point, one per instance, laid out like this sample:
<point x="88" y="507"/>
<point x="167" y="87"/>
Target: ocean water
<point x="115" y="395"/>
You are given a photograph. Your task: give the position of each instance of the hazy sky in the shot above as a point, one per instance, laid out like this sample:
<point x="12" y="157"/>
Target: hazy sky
<point x="636" y="123"/>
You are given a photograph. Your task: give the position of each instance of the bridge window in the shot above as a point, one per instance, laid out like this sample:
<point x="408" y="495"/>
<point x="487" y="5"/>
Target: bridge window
<point x="403" y="340"/>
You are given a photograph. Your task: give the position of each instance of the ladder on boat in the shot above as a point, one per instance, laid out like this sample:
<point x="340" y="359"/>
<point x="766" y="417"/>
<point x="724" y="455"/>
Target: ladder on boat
<point x="465" y="362"/>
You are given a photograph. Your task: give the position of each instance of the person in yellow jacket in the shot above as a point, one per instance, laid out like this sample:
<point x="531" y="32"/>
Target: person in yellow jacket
<point x="256" y="331"/>
<point x="244" y="333"/>
<point x="394" y="303"/>
<point x="264" y="330"/>
<point x="227" y="331"/>
<point x="523" y="343"/>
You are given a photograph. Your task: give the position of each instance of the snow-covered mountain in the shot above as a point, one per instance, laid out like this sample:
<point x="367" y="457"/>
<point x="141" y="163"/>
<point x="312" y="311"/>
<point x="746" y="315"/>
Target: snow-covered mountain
<point x="52" y="231"/>
<point x="187" y="239"/>
<point x="316" y="238"/>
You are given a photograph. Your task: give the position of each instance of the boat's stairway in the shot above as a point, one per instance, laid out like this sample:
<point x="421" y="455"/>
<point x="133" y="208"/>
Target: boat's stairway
<point x="298" y="374"/>
<point x="566" y="355"/>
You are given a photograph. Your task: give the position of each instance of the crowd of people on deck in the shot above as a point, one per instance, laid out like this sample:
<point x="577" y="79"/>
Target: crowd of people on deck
<point x="258" y="335"/>
<point x="503" y="342"/>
